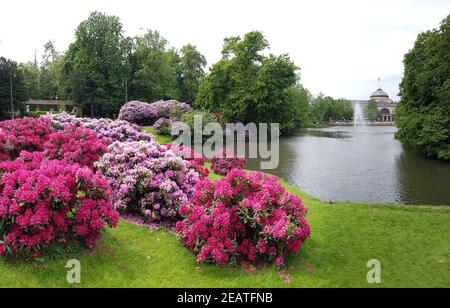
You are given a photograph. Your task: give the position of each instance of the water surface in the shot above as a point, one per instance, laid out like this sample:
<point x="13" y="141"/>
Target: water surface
<point x="365" y="164"/>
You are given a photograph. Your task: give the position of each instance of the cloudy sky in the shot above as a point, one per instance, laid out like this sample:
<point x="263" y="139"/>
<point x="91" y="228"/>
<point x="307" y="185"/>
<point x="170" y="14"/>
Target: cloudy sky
<point x="341" y="46"/>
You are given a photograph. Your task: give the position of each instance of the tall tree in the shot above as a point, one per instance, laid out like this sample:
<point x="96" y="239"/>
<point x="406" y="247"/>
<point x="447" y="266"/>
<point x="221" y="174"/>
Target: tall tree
<point x="94" y="65"/>
<point x="423" y="116"/>
<point x="248" y="86"/>
<point x="154" y="68"/>
<point x="10" y="76"/>
<point x="191" y="72"/>
<point x="49" y="77"/>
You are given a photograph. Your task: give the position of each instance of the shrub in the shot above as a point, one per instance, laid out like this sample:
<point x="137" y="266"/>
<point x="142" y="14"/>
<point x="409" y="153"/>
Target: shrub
<point x="137" y="112"/>
<point x="76" y="145"/>
<point x="188" y="118"/>
<point x="196" y="160"/>
<point x="170" y="109"/>
<point x="44" y="203"/>
<point x="244" y="217"/>
<point x="118" y="130"/>
<point x="25" y="134"/>
<point x="226" y="161"/>
<point x="163" y="127"/>
<point x="147" y="179"/>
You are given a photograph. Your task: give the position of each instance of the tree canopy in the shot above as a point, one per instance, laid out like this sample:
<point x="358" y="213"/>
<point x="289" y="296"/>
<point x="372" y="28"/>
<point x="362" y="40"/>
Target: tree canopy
<point x="247" y="86"/>
<point x="423" y="116"/>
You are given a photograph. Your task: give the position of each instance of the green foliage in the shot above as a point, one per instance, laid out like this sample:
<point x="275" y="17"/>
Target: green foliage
<point x="423" y="116"/>
<point x="94" y="65"/>
<point x="191" y="72"/>
<point x="324" y="108"/>
<point x="371" y="111"/>
<point x="9" y="71"/>
<point x="154" y="69"/>
<point x="247" y="86"/>
<point x="188" y="118"/>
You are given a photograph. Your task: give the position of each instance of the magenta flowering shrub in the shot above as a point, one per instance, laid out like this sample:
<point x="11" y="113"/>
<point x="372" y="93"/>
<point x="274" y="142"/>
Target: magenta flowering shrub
<point x="226" y="161"/>
<point x="243" y="217"/>
<point x="25" y="134"/>
<point x="117" y="130"/>
<point x="76" y="145"/>
<point x="147" y="179"/>
<point x="50" y="202"/>
<point x="196" y="160"/>
<point x="137" y="112"/>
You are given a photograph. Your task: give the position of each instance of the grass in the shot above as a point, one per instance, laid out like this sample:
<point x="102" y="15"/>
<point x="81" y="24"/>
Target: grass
<point x="158" y="138"/>
<point x="411" y="242"/>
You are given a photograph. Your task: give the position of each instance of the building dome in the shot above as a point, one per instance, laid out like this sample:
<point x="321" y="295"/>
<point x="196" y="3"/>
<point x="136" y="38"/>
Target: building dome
<point x="379" y="93"/>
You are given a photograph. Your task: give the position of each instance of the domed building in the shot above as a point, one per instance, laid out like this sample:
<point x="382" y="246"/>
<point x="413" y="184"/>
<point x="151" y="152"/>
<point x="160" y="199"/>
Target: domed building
<point x="386" y="106"/>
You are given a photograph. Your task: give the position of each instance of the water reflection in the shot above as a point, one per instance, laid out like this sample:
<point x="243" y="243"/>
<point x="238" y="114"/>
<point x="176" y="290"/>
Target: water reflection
<point x="365" y="164"/>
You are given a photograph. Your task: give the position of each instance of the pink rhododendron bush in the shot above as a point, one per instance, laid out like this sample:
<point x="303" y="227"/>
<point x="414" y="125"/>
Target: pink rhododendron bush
<point x="49" y="193"/>
<point x="27" y="134"/>
<point x="117" y="130"/>
<point x="243" y="217"/>
<point x="226" y="161"/>
<point x="49" y="202"/>
<point x="148" y="179"/>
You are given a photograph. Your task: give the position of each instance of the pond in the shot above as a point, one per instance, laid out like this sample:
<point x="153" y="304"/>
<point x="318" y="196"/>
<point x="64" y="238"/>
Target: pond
<point x="363" y="164"/>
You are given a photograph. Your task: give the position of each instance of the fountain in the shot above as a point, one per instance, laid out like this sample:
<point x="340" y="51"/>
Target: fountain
<point x="358" y="115"/>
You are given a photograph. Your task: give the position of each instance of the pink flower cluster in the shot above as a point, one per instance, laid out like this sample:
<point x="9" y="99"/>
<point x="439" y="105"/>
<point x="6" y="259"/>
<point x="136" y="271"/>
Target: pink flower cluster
<point x="25" y="134"/>
<point x="196" y="160"/>
<point x="76" y="145"/>
<point x="243" y="217"/>
<point x="73" y="145"/>
<point x="117" y="130"/>
<point x="148" y="179"/>
<point x="48" y="202"/>
<point x="226" y="161"/>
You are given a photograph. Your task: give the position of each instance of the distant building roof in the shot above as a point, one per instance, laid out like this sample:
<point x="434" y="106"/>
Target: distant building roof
<point x="48" y="102"/>
<point x="379" y="93"/>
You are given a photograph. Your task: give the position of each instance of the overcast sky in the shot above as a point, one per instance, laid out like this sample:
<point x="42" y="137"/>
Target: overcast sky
<point x="342" y="47"/>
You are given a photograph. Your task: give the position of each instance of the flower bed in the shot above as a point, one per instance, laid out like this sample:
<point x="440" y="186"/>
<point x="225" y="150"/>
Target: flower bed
<point x="50" y="202"/>
<point x="148" y="179"/>
<point x="226" y="161"/>
<point x="244" y="217"/>
<point x="117" y="130"/>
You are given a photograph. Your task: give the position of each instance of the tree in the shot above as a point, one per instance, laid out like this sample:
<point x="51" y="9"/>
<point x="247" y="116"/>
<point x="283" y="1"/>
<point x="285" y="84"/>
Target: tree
<point x="371" y="111"/>
<point x="94" y="65"/>
<point x="191" y="72"/>
<point x="9" y="72"/>
<point x="154" y="68"/>
<point x="30" y="73"/>
<point x="247" y="86"/>
<point x="423" y="116"/>
<point x="50" y="73"/>
<point x="299" y="108"/>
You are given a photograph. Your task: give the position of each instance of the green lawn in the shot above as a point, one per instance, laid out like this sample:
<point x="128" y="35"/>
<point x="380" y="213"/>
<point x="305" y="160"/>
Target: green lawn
<point x="412" y="243"/>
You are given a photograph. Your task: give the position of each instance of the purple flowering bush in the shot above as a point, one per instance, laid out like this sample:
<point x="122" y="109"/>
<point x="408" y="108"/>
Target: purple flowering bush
<point x="170" y="109"/>
<point x="117" y="130"/>
<point x="148" y="179"/>
<point x="137" y="112"/>
<point x="143" y="113"/>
